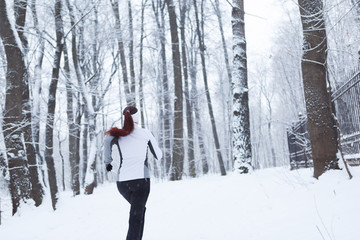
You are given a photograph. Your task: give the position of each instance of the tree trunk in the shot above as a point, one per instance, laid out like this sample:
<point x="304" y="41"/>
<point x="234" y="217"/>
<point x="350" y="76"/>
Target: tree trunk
<point x="52" y="103"/>
<point x="85" y="137"/>
<point x="20" y="18"/>
<point x="167" y="108"/>
<point x="130" y="99"/>
<point x="208" y="98"/>
<point x="72" y="127"/>
<point x="36" y="189"/>
<point x="241" y="114"/>
<point x="228" y="101"/>
<point x="226" y="55"/>
<point x="195" y="105"/>
<point x="93" y="102"/>
<point x="314" y="73"/>
<point x="36" y="91"/>
<point x="90" y="179"/>
<point x="189" y="110"/>
<point x="13" y="117"/>
<point x="178" y="146"/>
<point x="141" y="90"/>
<point x="131" y="55"/>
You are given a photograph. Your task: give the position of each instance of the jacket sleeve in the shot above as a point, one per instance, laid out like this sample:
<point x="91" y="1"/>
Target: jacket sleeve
<point x="109" y="141"/>
<point x="154" y="147"/>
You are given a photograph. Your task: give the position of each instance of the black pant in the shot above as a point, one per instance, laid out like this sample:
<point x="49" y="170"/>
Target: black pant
<point x="136" y="192"/>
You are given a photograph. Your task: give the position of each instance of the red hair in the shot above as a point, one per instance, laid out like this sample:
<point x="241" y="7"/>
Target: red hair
<point x="128" y="124"/>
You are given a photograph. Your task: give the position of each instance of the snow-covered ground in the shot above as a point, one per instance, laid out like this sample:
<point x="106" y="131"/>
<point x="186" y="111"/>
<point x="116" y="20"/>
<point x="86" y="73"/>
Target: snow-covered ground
<point x="267" y="204"/>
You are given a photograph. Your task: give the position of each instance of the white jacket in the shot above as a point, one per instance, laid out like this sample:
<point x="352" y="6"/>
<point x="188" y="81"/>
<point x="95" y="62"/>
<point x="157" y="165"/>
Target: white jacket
<point x="133" y="150"/>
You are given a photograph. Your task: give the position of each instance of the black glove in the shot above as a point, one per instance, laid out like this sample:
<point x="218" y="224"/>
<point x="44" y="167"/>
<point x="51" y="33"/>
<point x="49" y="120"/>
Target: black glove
<point x="108" y="167"/>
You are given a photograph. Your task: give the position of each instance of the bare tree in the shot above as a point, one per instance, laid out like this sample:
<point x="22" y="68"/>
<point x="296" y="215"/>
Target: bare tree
<point x="141" y="63"/>
<point x="227" y="101"/>
<point x="208" y="98"/>
<point x="131" y="55"/>
<point x="49" y="158"/>
<point x="36" y="89"/>
<point x="189" y="111"/>
<point x="314" y="73"/>
<point x="158" y="9"/>
<point x="75" y="118"/>
<point x="72" y="125"/>
<point x="194" y="96"/>
<point x="13" y="116"/>
<point x="178" y="147"/>
<point x="221" y="28"/>
<point x="130" y="97"/>
<point x="36" y="187"/>
<point x="241" y="114"/>
<point x="92" y="92"/>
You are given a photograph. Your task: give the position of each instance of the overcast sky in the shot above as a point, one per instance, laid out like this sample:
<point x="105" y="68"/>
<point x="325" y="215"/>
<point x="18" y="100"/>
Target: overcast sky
<point x="261" y="22"/>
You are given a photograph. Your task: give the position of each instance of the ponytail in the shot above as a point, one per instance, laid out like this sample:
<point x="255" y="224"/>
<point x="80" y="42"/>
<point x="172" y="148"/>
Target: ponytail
<point x="128" y="124"/>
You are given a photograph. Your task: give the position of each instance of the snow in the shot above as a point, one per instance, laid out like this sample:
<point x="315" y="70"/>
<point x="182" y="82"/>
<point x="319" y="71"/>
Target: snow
<point x="266" y="204"/>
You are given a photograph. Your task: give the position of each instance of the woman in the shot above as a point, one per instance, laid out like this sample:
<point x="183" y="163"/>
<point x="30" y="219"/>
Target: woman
<point x="133" y="180"/>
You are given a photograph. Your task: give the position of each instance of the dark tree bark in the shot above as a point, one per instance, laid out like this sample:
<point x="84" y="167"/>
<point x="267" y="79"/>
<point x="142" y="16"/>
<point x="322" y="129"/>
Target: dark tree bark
<point x="36" y="187"/>
<point x="178" y="146"/>
<point x="208" y="98"/>
<point x="75" y="121"/>
<point x="241" y="114"/>
<point x="189" y="110"/>
<point x="20" y="18"/>
<point x="13" y="117"/>
<point x="52" y="103"/>
<point x="314" y="73"/>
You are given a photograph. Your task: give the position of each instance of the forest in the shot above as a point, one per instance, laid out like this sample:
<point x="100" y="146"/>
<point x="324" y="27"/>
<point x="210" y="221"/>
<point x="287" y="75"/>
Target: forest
<point x="219" y="96"/>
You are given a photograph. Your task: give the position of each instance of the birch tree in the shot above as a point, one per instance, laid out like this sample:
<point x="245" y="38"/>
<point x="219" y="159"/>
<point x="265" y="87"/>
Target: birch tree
<point x="241" y="114"/>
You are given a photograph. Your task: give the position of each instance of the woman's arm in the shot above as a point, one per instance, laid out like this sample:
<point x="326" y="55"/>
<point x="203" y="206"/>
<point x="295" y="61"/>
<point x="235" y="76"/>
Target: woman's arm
<point x="154" y="147"/>
<point x="109" y="141"/>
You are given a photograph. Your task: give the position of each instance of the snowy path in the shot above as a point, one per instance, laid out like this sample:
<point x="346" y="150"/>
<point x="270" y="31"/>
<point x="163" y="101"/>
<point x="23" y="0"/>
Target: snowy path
<point x="268" y="204"/>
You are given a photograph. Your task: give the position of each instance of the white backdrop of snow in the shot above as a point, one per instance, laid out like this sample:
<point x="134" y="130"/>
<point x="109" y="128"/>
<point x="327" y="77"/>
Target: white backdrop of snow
<point x="267" y="204"/>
